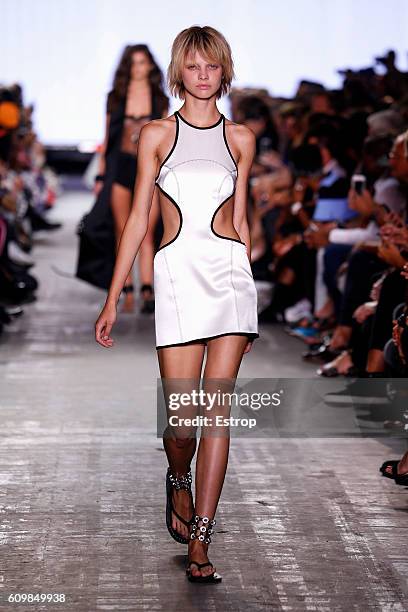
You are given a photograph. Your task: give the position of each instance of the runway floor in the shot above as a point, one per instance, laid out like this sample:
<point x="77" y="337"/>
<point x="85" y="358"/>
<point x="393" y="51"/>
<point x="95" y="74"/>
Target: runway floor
<point x="303" y="523"/>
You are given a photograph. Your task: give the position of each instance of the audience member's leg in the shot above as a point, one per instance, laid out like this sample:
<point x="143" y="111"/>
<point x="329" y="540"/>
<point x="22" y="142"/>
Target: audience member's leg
<point x="393" y="292"/>
<point x="334" y="256"/>
<point x="361" y="268"/>
<point x="359" y="342"/>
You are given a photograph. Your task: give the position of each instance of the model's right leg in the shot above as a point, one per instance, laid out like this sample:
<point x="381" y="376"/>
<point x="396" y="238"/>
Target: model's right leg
<point x="183" y="365"/>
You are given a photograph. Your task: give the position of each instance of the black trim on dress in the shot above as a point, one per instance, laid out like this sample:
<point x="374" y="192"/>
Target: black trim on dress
<point x="213" y="219"/>
<point x="251" y="336"/>
<point x="180" y="214"/>
<point x="171" y="150"/>
<point x="198" y="127"/>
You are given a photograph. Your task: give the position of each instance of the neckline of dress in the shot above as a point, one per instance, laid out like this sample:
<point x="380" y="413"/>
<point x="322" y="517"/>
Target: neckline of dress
<point x="199" y="127"/>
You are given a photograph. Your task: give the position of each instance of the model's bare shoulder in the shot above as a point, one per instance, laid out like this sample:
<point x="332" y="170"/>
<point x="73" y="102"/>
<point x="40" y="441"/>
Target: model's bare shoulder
<point x="161" y="125"/>
<point x="241" y="137"/>
<point x="157" y="131"/>
<point x="152" y="131"/>
<point x="240" y="133"/>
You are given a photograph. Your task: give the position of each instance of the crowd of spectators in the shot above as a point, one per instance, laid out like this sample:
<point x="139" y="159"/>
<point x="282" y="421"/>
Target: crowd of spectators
<point x="328" y="203"/>
<point x="28" y="189"/>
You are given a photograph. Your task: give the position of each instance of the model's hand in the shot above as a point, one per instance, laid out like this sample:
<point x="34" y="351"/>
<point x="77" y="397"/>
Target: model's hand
<point x="104" y="325"/>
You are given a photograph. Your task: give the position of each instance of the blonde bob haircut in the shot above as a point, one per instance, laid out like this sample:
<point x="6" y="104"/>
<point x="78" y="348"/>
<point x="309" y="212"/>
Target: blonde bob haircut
<point x="212" y="45"/>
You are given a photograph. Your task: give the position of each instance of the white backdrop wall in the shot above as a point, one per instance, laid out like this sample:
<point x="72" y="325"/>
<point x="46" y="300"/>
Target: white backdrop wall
<point x="64" y="52"/>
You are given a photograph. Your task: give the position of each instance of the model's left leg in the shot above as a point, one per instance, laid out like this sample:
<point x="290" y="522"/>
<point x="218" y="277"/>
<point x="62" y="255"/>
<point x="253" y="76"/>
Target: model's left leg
<point x="224" y="355"/>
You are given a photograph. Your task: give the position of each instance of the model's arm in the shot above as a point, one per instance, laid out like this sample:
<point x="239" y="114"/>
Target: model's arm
<point x="135" y="228"/>
<point x="245" y="143"/>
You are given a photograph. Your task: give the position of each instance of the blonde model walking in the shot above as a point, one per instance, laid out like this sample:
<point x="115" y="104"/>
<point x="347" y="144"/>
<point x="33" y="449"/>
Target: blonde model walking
<point x="206" y="301"/>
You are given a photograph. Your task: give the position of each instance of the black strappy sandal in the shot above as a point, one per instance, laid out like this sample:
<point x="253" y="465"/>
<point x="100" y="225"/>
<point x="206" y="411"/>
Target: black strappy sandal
<point x="148" y="303"/>
<point x="205" y="531"/>
<point x="400" y="479"/>
<point x="181" y="482"/>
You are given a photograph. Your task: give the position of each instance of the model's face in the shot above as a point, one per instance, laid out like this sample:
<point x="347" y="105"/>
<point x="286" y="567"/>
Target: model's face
<point x="140" y="67"/>
<point x="201" y="76"/>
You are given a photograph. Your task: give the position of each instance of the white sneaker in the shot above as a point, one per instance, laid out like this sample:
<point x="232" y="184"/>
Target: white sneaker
<point x="301" y="309"/>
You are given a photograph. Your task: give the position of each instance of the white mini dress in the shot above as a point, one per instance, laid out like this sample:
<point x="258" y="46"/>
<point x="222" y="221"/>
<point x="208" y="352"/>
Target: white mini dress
<point x="203" y="281"/>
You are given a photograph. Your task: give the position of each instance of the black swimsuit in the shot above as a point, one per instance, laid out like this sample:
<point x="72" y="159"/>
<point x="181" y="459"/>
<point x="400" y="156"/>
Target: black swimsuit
<point x="130" y="126"/>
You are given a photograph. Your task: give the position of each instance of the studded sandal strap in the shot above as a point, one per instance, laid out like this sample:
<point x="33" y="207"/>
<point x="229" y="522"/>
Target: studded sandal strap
<point x="180" y="482"/>
<point x="202" y="533"/>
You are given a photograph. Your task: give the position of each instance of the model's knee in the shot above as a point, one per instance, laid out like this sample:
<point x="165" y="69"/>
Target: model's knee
<point x="181" y="436"/>
<point x="185" y="440"/>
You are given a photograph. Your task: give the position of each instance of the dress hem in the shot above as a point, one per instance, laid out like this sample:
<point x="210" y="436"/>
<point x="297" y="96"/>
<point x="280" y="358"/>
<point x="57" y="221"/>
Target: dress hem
<point x="251" y="335"/>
